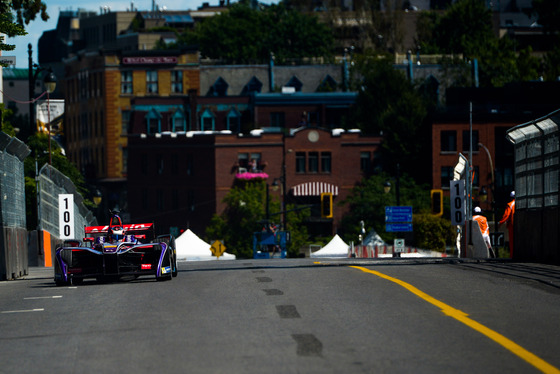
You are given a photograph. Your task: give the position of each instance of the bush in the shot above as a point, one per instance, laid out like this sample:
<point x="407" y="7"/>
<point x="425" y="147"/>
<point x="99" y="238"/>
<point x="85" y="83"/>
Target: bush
<point x="432" y="233"/>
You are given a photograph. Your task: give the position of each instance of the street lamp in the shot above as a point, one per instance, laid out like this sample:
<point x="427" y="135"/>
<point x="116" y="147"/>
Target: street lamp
<point x="281" y="183"/>
<point x="50" y="86"/>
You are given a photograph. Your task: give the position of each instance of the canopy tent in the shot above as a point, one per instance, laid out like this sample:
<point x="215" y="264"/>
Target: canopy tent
<point x="335" y="248"/>
<point x="191" y="248"/>
<point x="374" y="239"/>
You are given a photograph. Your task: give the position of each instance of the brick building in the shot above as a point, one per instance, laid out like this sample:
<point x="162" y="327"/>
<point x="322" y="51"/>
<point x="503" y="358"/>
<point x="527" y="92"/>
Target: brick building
<point x="181" y="179"/>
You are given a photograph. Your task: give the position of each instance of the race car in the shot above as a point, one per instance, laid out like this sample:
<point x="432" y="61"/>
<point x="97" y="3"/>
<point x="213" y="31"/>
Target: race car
<point x="109" y="253"/>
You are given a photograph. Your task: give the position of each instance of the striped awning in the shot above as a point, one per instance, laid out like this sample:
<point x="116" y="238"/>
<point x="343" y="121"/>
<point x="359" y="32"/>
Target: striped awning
<point x="314" y="189"/>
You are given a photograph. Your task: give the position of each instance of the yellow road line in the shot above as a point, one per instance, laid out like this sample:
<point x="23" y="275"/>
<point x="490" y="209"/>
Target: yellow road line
<point x="460" y="316"/>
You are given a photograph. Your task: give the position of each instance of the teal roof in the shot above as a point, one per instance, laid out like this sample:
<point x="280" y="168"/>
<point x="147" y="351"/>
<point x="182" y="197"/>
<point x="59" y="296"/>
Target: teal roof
<point x="15" y="73"/>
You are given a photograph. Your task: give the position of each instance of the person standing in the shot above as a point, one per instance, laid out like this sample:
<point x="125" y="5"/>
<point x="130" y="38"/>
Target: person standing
<point x="508" y="220"/>
<point x="483" y="224"/>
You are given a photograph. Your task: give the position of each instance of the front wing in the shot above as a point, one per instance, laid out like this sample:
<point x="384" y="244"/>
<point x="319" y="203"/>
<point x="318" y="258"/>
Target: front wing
<point x="74" y="264"/>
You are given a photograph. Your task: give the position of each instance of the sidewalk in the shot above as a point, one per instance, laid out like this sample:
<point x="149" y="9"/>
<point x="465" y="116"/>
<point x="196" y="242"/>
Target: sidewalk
<point x="35" y="272"/>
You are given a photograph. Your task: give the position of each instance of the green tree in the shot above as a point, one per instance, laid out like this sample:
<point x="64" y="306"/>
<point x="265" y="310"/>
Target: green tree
<point x="245" y="214"/>
<point x="466" y="28"/>
<point x="15" y="14"/>
<point x="388" y="104"/>
<point x="246" y="35"/>
<point x="367" y="203"/>
<point x="38" y="143"/>
<point x="368" y="200"/>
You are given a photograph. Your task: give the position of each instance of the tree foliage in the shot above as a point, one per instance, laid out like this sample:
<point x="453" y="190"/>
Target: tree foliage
<point x="367" y="203"/>
<point x="247" y="35"/>
<point x="245" y="214"/>
<point x="466" y="29"/>
<point x="17" y="13"/>
<point x="388" y="104"/>
<point x="38" y="143"/>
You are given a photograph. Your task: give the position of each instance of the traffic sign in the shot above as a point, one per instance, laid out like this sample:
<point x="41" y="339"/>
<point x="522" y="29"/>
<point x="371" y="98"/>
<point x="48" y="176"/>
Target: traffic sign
<point x="398" y="227"/>
<point x="457" y="199"/>
<point x="218" y="248"/>
<point x="398" y="214"/>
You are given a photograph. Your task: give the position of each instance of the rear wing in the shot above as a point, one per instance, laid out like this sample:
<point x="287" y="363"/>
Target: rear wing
<point x="130" y="228"/>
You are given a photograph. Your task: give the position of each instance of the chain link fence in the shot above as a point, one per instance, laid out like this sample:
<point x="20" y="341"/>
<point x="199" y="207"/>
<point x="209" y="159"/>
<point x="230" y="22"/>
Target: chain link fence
<point x="51" y="184"/>
<point x="13" y="233"/>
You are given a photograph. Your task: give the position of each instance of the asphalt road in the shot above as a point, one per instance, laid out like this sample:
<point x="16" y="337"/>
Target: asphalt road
<point x="290" y="316"/>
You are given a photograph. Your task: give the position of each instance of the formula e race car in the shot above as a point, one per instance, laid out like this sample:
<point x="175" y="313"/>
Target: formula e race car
<point x="109" y="253"/>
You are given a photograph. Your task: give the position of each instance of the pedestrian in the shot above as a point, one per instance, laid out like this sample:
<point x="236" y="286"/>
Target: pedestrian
<point x="508" y="220"/>
<point x="483" y="224"/>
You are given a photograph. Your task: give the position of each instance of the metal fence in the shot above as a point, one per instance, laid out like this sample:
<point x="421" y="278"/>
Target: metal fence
<point x="537" y="178"/>
<point x="13" y="243"/>
<point x="51" y="184"/>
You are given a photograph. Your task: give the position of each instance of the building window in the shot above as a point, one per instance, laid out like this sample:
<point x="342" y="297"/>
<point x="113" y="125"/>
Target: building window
<point x="177" y="81"/>
<point x="295" y="83"/>
<point x="179" y="121"/>
<point x="243" y="162"/>
<point x="365" y="162"/>
<point x="449" y="141"/>
<point x="153" y="122"/>
<point x="326" y="162"/>
<point x="207" y="121"/>
<point x="219" y="88"/>
<point x="277" y="119"/>
<point x="476" y="179"/>
<point x="313" y="162"/>
<point x="466" y="141"/>
<point x="126" y="82"/>
<point x="446" y="176"/>
<point x="234" y="121"/>
<point x="125" y="121"/>
<point x="152" y="81"/>
<point x="300" y="162"/>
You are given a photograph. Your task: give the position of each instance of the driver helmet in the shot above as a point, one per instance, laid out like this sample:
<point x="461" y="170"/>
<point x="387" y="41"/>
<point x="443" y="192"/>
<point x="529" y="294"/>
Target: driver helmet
<point x="117" y="233"/>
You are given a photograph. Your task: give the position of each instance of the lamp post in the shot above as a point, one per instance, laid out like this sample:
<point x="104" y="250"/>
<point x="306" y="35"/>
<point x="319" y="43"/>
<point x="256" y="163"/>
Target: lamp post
<point x="493" y="202"/>
<point x="50" y="85"/>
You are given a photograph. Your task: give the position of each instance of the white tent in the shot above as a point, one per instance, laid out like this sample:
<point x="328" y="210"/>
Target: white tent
<point x="191" y="248"/>
<point x="335" y="248"/>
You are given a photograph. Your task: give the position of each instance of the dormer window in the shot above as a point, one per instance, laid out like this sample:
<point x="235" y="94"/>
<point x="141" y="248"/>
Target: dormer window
<point x="179" y="121"/>
<point x="295" y="83"/>
<point x="327" y="85"/>
<point x="153" y="122"/>
<point x="254" y="86"/>
<point x="219" y="88"/>
<point x="234" y="120"/>
<point x="207" y="121"/>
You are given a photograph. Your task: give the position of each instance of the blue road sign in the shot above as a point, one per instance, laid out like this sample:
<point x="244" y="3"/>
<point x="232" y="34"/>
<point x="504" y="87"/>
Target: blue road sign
<point x="398" y="214"/>
<point x="398" y="227"/>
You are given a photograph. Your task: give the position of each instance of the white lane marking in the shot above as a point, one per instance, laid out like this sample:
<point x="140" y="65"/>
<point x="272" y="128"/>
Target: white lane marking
<point x="23" y="311"/>
<point x="43" y="297"/>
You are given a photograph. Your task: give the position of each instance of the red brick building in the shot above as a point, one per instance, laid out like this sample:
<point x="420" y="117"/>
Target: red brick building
<point x="181" y="180"/>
